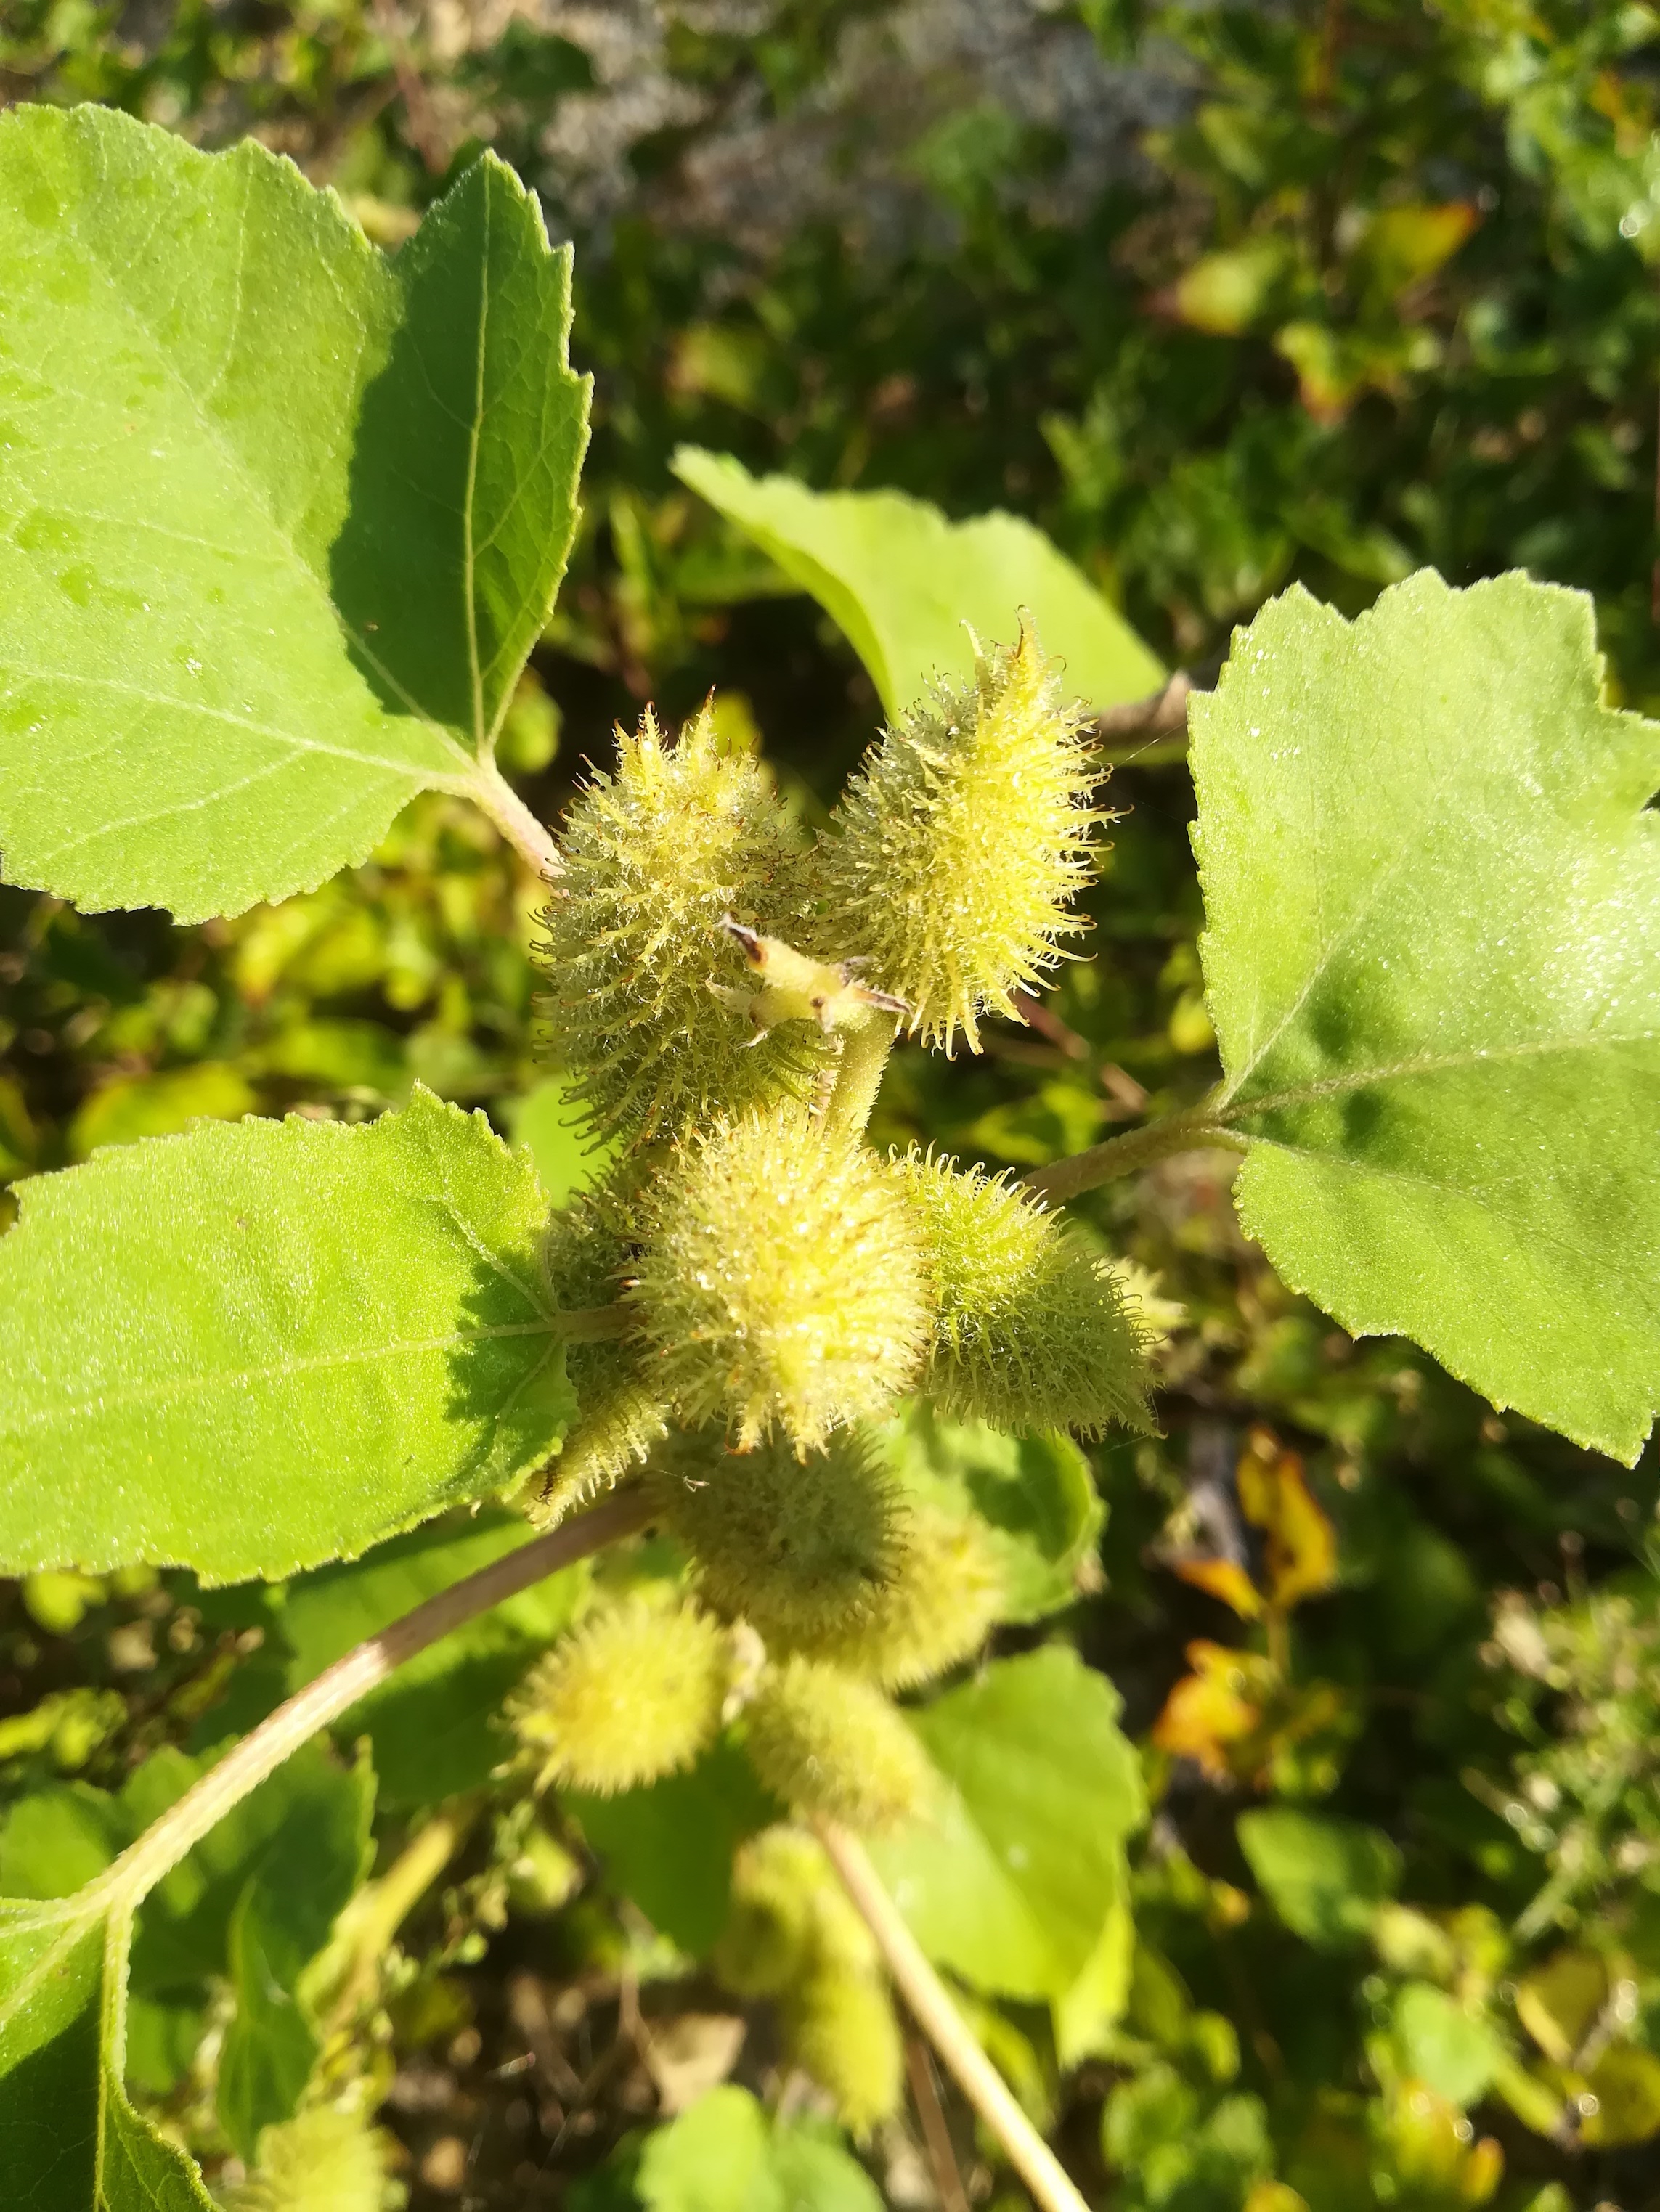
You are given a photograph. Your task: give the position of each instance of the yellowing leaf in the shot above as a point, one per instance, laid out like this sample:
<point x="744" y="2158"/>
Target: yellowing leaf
<point x="1223" y="1579"/>
<point x="1559" y="2001"/>
<point x="1224" y="293"/>
<point x="1301" y="1545"/>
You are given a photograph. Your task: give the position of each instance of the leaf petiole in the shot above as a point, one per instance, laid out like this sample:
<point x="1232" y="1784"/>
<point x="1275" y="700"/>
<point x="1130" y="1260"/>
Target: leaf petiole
<point x="161" y="1846"/>
<point x="1197" y="1130"/>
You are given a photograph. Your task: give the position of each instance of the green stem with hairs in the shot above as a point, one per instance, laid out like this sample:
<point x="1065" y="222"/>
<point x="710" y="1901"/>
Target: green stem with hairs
<point x="244" y="1767"/>
<point x="865" y="1049"/>
<point x="1197" y="1130"/>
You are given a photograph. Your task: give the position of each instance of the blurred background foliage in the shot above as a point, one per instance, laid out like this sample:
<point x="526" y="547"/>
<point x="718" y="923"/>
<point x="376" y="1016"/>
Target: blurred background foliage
<point x="1222" y="297"/>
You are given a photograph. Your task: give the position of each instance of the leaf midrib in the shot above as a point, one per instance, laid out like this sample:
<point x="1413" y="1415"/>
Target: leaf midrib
<point x="1234" y="1108"/>
<point x="213" y="434"/>
<point x="223" y="1378"/>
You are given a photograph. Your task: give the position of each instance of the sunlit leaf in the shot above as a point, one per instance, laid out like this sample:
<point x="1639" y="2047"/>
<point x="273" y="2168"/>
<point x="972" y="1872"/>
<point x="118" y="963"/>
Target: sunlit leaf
<point x="1434" y="961"/>
<point x="901" y="581"/>
<point x="265" y="1344"/>
<point x="279" y="518"/>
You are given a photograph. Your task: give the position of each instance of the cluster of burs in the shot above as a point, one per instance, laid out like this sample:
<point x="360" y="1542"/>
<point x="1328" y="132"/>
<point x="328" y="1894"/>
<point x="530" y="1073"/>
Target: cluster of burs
<point x="723" y="992"/>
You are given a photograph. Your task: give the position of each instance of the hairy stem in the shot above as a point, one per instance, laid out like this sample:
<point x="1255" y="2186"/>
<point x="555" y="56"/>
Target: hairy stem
<point x="365" y="1931"/>
<point x="489" y="789"/>
<point x="594" y="1324"/>
<point x="944" y="2026"/>
<point x="340" y="1687"/>
<point x="865" y="1049"/>
<point x="1192" y="1132"/>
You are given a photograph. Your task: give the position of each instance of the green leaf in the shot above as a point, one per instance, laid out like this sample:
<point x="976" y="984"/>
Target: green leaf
<point x="283" y="1919"/>
<point x="430" y="1726"/>
<point x="263" y="1345"/>
<point x="670" y="1846"/>
<point x="900" y="580"/>
<point x="1437" y="2041"/>
<point x="279" y="518"/>
<point x="1434" y="965"/>
<point x="1014" y="1883"/>
<point x="70" y="2140"/>
<point x="1036" y="1496"/>
<point x="559" y="1136"/>
<point x="1324" y="1877"/>
<point x="726" y="2154"/>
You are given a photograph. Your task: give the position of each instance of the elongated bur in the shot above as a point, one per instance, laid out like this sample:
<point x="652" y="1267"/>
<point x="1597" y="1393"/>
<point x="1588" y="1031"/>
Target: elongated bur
<point x="326" y="2157"/>
<point x="832" y="1747"/>
<point x="779" y="1286"/>
<point x="634" y="1692"/>
<point x="962" y="841"/>
<point x="942" y="1599"/>
<point x="793" y="1934"/>
<point x="1030" y="1330"/>
<point x="794" y="1546"/>
<point x="655" y="853"/>
<point x="842" y="2029"/>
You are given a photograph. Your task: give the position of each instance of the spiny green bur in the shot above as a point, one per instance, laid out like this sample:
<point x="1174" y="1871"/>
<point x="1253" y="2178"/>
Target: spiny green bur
<point x="793" y="1934"/>
<point x="842" y="2029"/>
<point x="788" y="1544"/>
<point x="1030" y="1330"/>
<point x="654" y="854"/>
<point x="780" y="1287"/>
<point x="620" y="1416"/>
<point x="325" y="2156"/>
<point x="936" y="1606"/>
<point x="635" y="1692"/>
<point x="960" y="844"/>
<point x="833" y="1748"/>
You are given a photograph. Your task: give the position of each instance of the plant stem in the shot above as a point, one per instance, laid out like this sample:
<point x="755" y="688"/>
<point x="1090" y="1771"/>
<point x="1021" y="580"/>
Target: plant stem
<point x="944" y="2026"/>
<point x="1192" y="1132"/>
<point x="947" y="2180"/>
<point x="489" y="789"/>
<point x="593" y="1324"/>
<point x="340" y="1687"/>
<point x="865" y="1049"/>
<point x="366" y="1929"/>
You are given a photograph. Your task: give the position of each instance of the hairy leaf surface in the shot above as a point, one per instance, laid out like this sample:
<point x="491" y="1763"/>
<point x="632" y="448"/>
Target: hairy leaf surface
<point x="70" y="2140"/>
<point x="900" y="580"/>
<point x="279" y="518"/>
<point x="1434" y="965"/>
<point x="262" y="1344"/>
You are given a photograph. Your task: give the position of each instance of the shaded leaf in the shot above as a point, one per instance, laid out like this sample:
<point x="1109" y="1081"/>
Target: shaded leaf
<point x="670" y="1846"/>
<point x="1035" y="1495"/>
<point x="283" y="1918"/>
<point x="279" y="518"/>
<point x="1434" y="962"/>
<point x="1324" y="1877"/>
<point x="262" y="1345"/>
<point x="430" y="1725"/>
<point x="900" y="580"/>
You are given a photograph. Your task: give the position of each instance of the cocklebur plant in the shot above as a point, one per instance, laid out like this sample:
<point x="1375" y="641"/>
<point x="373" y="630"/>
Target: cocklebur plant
<point x="281" y="519"/>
